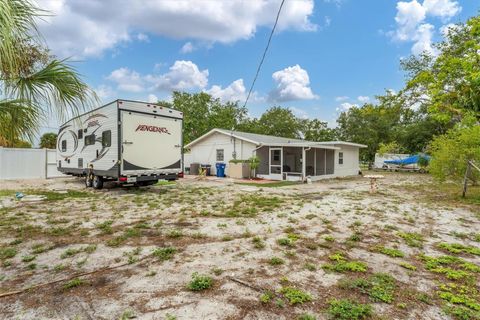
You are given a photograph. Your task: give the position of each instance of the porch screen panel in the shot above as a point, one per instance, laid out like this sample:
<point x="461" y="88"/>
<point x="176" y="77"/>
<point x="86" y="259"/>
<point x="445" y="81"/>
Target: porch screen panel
<point x="330" y="161"/>
<point x="310" y="162"/>
<point x="263" y="154"/>
<point x="320" y="162"/>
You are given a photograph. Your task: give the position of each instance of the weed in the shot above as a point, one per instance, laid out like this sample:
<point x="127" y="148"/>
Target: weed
<point x="7" y="253"/>
<point x="127" y="314"/>
<point x="306" y="316"/>
<point x="32" y="266"/>
<point x="266" y="297"/>
<point x="106" y="227"/>
<point x="73" y="283"/>
<point x="165" y="253"/>
<point x="59" y="267"/>
<point x="348" y="310"/>
<point x="296" y="296"/>
<point x="28" y="258"/>
<point x="459" y="248"/>
<point x="379" y="286"/>
<point x="169" y="316"/>
<point x="175" y="233"/>
<point x="342" y="265"/>
<point x="286" y="242"/>
<point x="310" y="266"/>
<point x="412" y="239"/>
<point x="275" y="261"/>
<point x="395" y="253"/>
<point x="258" y="243"/>
<point x="329" y="238"/>
<point x="200" y="282"/>
<point x="217" y="271"/>
<point x="407" y="265"/>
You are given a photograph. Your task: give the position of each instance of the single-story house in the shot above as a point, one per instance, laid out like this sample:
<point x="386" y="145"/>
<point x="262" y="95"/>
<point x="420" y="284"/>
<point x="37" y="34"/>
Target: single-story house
<point x="280" y="158"/>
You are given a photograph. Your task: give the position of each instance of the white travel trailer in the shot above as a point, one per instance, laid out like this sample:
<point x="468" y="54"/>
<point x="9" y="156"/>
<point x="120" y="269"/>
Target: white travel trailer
<point x="130" y="142"/>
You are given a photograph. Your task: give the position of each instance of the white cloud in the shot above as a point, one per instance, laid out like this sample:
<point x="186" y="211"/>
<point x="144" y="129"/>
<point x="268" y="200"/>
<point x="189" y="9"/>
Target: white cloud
<point x="444" y="9"/>
<point x="152" y="98"/>
<point x="341" y="98"/>
<point x="105" y="93"/>
<point x="446" y="29"/>
<point x="423" y="40"/>
<point x="346" y="106"/>
<point x="142" y="37"/>
<point x="292" y="83"/>
<point x="127" y="80"/>
<point x="183" y="75"/>
<point x="411" y="25"/>
<point x="88" y="28"/>
<point x="187" y="48"/>
<point x="363" y="99"/>
<point x="409" y="15"/>
<point x="234" y="92"/>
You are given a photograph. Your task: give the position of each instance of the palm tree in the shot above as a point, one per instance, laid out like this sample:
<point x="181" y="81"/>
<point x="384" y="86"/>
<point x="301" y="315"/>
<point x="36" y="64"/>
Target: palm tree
<point x="33" y="84"/>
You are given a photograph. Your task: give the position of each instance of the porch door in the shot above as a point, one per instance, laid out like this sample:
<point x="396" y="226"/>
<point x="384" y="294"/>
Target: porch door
<point x="276" y="163"/>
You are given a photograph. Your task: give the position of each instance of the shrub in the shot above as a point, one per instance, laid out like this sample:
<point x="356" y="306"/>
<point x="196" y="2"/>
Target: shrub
<point x="199" y="282"/>
<point x="348" y="310"/>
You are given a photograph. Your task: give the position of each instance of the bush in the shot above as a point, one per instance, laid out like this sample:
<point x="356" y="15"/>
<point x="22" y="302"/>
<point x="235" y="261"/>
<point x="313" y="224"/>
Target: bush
<point x="450" y="152"/>
<point x="200" y="282"/>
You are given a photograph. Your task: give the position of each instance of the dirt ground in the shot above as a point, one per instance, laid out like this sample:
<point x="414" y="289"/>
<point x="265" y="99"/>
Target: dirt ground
<point x="406" y="252"/>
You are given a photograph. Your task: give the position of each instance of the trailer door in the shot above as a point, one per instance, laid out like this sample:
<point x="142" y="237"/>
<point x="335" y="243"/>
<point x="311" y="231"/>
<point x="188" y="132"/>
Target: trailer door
<point x="150" y="143"/>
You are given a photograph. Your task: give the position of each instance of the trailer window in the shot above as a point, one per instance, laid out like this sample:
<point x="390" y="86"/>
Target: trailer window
<point x="340" y="158"/>
<point x="89" y="140"/>
<point x="64" y="145"/>
<point x="106" y="138"/>
<point x="220" y="155"/>
<point x="80" y="133"/>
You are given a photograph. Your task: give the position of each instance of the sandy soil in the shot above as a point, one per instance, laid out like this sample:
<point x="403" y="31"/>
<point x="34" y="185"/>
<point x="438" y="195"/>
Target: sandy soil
<point x="229" y="232"/>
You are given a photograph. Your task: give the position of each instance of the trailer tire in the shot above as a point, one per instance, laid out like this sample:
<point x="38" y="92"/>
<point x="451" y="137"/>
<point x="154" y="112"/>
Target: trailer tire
<point x="88" y="181"/>
<point x="97" y="182"/>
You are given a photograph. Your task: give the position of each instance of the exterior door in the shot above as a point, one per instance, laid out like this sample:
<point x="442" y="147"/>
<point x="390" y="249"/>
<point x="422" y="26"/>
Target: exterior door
<point x="276" y="163"/>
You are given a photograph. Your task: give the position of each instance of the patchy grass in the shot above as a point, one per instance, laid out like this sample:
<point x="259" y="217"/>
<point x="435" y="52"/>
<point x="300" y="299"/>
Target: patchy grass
<point x="395" y="253"/>
<point x="274" y="184"/>
<point x="342" y="265"/>
<point x="412" y="239"/>
<point x="165" y="253"/>
<point x="459" y="248"/>
<point x="296" y="296"/>
<point x="348" y="310"/>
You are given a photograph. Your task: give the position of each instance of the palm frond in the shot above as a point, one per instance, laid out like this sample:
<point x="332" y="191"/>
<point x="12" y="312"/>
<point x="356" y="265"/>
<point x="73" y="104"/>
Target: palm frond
<point x="57" y="87"/>
<point x="17" y="24"/>
<point x="18" y="120"/>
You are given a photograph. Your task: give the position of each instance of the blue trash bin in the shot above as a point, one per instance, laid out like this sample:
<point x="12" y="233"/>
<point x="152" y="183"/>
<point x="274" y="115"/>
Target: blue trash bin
<point x="220" y="169"/>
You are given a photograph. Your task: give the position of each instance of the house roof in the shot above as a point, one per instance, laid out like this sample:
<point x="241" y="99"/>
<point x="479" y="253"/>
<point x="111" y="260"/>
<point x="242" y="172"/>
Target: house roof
<point x="266" y="140"/>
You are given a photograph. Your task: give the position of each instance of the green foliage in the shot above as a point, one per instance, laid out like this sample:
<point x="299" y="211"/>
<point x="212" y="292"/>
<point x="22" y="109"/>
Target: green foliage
<point x="48" y="140"/>
<point x="342" y="265"/>
<point x="391" y="147"/>
<point x="407" y="265"/>
<point x="296" y="296"/>
<point x="73" y="283"/>
<point x="390" y="252"/>
<point x="450" y="152"/>
<point x="7" y="253"/>
<point x="200" y="282"/>
<point x="275" y="261"/>
<point x="306" y="316"/>
<point x="266" y="297"/>
<point x="380" y="287"/>
<point x="348" y="310"/>
<point x="165" y="253"/>
<point x="412" y="239"/>
<point x="459" y="248"/>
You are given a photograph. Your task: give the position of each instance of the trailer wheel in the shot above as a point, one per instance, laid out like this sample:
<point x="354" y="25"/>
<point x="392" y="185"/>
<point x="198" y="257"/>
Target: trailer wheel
<point x="88" y="181"/>
<point x="97" y="182"/>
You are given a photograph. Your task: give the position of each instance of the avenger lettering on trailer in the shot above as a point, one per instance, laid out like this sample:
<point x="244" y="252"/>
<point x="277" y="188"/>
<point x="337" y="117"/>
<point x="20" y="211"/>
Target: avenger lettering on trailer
<point x="144" y="127"/>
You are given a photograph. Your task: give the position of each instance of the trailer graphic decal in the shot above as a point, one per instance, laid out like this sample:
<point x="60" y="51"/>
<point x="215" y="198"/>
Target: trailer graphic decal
<point x="144" y="127"/>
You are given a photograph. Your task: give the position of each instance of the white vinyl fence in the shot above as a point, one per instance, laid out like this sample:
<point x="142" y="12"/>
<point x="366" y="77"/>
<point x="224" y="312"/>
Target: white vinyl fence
<point x="19" y="163"/>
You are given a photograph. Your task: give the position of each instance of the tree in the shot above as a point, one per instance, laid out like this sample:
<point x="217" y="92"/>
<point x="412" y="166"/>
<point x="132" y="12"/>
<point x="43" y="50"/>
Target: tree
<point x="451" y="151"/>
<point x="317" y="130"/>
<point x="32" y="82"/>
<point x="448" y="84"/>
<point x="48" y="140"/>
<point x="278" y="121"/>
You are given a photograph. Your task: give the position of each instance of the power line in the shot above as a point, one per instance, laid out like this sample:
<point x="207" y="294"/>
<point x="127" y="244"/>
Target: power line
<point x="264" y="53"/>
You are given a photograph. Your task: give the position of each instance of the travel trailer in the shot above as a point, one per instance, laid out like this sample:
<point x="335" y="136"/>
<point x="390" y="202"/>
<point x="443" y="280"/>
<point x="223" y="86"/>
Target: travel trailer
<point x="130" y="142"/>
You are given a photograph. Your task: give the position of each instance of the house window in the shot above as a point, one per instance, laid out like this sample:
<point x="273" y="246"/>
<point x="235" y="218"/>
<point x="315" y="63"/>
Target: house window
<point x="276" y="155"/>
<point x="89" y="140"/>
<point x="340" y="158"/>
<point x="80" y="133"/>
<point x="220" y="155"/>
<point x="64" y="145"/>
<point x="106" y="138"/>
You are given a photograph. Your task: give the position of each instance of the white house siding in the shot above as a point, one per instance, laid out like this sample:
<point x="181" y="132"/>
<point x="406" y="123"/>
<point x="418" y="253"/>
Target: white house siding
<point x="351" y="165"/>
<point x="205" y="151"/>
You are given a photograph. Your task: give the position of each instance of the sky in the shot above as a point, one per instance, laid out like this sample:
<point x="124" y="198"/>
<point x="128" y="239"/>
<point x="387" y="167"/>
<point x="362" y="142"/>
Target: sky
<point x="325" y="57"/>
